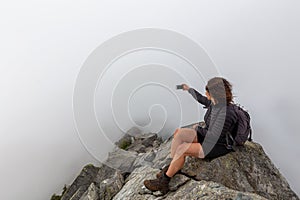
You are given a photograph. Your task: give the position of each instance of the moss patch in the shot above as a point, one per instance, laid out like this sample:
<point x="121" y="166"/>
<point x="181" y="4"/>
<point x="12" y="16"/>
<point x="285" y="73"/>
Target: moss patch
<point x="124" y="144"/>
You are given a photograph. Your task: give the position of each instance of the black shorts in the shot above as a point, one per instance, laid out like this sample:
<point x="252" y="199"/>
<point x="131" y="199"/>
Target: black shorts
<point x="216" y="151"/>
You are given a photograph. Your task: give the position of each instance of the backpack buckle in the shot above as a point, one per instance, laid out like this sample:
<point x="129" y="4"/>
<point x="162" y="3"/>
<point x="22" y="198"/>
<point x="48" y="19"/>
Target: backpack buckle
<point x="230" y="147"/>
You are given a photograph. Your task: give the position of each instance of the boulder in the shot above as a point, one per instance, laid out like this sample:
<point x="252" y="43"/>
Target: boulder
<point x="121" y="159"/>
<point x="248" y="169"/>
<point x="247" y="173"/>
<point x="181" y="188"/>
<point x="95" y="183"/>
<point x="145" y="142"/>
<point x="81" y="183"/>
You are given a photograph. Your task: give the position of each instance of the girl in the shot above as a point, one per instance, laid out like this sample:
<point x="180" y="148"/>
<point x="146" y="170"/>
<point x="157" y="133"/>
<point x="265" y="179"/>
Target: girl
<point x="199" y="141"/>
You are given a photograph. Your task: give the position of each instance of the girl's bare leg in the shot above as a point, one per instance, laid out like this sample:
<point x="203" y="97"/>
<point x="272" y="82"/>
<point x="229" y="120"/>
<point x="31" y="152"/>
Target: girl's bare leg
<point x="183" y="150"/>
<point x="182" y="135"/>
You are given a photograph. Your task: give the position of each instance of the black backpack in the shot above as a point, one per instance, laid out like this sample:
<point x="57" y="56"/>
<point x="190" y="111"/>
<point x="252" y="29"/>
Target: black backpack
<point x="242" y="130"/>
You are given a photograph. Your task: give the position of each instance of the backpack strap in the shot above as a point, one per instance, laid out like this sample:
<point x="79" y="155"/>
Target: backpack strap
<point x="228" y="146"/>
<point x="250" y="137"/>
<point x="228" y="134"/>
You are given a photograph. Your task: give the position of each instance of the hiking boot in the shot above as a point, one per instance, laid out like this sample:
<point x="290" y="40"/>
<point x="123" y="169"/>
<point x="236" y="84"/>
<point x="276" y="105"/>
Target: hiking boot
<point x="159" y="184"/>
<point x="164" y="170"/>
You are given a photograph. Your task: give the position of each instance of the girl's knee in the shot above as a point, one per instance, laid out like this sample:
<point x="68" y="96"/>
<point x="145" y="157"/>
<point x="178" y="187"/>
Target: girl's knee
<point x="176" y="131"/>
<point x="181" y="133"/>
<point x="182" y="148"/>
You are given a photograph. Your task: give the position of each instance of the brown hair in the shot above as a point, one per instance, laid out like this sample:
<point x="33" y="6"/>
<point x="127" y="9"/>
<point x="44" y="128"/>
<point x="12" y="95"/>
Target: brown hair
<point x="220" y="89"/>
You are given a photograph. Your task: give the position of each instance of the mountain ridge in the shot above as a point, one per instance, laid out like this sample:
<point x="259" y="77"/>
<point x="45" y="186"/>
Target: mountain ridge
<point x="247" y="173"/>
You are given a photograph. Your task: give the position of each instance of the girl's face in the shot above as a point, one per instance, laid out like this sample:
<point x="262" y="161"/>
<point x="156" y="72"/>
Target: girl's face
<point x="207" y="95"/>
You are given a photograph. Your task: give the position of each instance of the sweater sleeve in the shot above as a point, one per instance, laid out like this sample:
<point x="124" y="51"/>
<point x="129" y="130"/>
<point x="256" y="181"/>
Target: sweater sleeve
<point x="222" y="124"/>
<point x="199" y="97"/>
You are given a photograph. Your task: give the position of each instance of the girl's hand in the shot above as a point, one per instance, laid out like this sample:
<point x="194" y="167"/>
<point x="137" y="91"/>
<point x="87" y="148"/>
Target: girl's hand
<point x="195" y="126"/>
<point x="185" y="87"/>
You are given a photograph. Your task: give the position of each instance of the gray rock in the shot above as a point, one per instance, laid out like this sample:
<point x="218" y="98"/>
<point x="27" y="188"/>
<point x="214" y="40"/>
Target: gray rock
<point x="95" y="183"/>
<point x="134" y="187"/>
<point x="134" y="131"/>
<point x="125" y="141"/>
<point x="91" y="193"/>
<point x="209" y="190"/>
<point x="110" y="186"/>
<point x="81" y="183"/>
<point x="145" y="142"/>
<point x="144" y="159"/>
<point x="80" y="191"/>
<point x="137" y="147"/>
<point x="187" y="188"/>
<point x="148" y="139"/>
<point x="177" y="181"/>
<point x="248" y="169"/>
<point x="122" y="160"/>
<point x="162" y="154"/>
<point x="247" y="173"/>
<point x="134" y="141"/>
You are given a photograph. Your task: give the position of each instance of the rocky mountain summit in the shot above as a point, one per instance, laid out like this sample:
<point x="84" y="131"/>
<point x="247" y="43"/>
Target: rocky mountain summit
<point x="247" y="173"/>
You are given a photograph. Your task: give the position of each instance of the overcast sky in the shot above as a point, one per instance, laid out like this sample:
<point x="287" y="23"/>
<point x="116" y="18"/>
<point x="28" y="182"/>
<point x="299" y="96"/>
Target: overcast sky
<point x="254" y="44"/>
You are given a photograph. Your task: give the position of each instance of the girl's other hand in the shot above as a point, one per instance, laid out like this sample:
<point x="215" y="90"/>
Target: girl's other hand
<point x="195" y="126"/>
